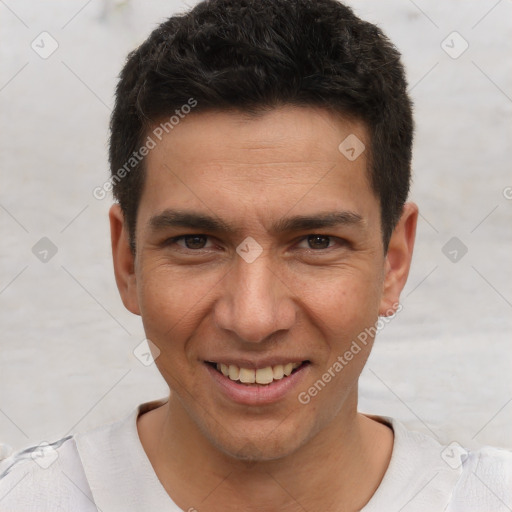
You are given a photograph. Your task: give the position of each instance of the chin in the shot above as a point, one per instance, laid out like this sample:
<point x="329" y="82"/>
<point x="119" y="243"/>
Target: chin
<point x="260" y="444"/>
<point x="258" y="451"/>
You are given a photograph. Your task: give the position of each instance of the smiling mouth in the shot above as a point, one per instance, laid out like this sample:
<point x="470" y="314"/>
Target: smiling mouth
<point x="260" y="376"/>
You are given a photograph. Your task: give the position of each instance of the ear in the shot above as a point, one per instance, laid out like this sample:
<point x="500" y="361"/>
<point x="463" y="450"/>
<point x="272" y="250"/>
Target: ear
<point x="124" y="260"/>
<point x="398" y="259"/>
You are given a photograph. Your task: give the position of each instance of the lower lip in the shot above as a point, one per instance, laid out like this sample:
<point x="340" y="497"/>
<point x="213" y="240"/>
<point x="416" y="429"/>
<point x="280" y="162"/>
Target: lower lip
<point x="257" y="394"/>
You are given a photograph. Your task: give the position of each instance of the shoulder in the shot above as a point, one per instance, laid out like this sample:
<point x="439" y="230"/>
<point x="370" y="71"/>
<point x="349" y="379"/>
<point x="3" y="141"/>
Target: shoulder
<point x="485" y="482"/>
<point x="45" y="477"/>
<point x="426" y="475"/>
<point x="98" y="469"/>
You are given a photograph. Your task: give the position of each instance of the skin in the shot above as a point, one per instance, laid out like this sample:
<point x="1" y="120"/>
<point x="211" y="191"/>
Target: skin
<point x="303" y="298"/>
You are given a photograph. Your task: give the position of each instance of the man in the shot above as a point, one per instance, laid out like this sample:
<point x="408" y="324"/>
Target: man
<point x="260" y="154"/>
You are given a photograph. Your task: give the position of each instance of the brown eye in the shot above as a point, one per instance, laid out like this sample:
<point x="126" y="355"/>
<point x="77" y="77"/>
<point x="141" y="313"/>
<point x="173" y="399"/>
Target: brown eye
<point x="195" y="241"/>
<point x="192" y="242"/>
<point x="319" y="241"/>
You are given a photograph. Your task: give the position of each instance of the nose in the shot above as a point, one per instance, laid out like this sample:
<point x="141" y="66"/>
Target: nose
<point x="256" y="302"/>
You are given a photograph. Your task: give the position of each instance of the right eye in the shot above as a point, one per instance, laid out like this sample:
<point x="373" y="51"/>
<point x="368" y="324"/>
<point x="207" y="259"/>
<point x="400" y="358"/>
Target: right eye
<point x="191" y="242"/>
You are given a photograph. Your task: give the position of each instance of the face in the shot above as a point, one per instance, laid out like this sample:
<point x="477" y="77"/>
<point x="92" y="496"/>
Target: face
<point x="259" y="244"/>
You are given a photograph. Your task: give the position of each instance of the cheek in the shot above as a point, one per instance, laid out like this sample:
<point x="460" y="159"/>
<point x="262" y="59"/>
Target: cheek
<point x="341" y="302"/>
<point x="171" y="307"/>
<point x="343" y="308"/>
<point x="170" y="303"/>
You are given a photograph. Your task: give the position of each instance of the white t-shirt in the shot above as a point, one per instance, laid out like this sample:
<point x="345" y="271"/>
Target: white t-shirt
<point x="107" y="470"/>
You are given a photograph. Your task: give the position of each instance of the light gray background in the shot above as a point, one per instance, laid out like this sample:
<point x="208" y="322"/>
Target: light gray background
<point x="443" y="365"/>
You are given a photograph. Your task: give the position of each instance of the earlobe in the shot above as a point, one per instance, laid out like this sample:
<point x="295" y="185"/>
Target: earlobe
<point x="398" y="259"/>
<point x="124" y="260"/>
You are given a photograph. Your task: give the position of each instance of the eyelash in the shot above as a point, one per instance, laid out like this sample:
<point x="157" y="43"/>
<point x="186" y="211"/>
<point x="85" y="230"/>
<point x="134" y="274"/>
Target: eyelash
<point x="174" y="240"/>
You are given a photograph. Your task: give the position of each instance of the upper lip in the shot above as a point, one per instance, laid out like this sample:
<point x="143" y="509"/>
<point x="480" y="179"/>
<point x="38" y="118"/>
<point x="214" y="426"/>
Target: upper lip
<point x="255" y="364"/>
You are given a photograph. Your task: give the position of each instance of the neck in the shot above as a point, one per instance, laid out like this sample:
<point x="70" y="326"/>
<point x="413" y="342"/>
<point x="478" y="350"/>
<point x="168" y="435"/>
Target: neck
<point x="339" y="469"/>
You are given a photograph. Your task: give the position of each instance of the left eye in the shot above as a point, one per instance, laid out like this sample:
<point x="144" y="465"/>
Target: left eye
<point x="192" y="241"/>
<point x="318" y="242"/>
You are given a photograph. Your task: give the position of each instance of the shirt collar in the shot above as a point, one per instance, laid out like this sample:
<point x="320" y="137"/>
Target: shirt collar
<point x="122" y="478"/>
<point x="418" y="478"/>
<point x="119" y="473"/>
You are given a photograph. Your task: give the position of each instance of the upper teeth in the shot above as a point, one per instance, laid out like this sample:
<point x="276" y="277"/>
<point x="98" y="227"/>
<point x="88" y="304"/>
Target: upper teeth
<point x="259" y="376"/>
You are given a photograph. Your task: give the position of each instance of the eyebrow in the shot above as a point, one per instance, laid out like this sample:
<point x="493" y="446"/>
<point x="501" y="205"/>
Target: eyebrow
<point x="194" y="220"/>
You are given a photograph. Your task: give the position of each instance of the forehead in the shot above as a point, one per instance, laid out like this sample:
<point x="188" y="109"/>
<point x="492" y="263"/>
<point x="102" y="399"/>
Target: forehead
<point x="288" y="158"/>
<point x="287" y="134"/>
